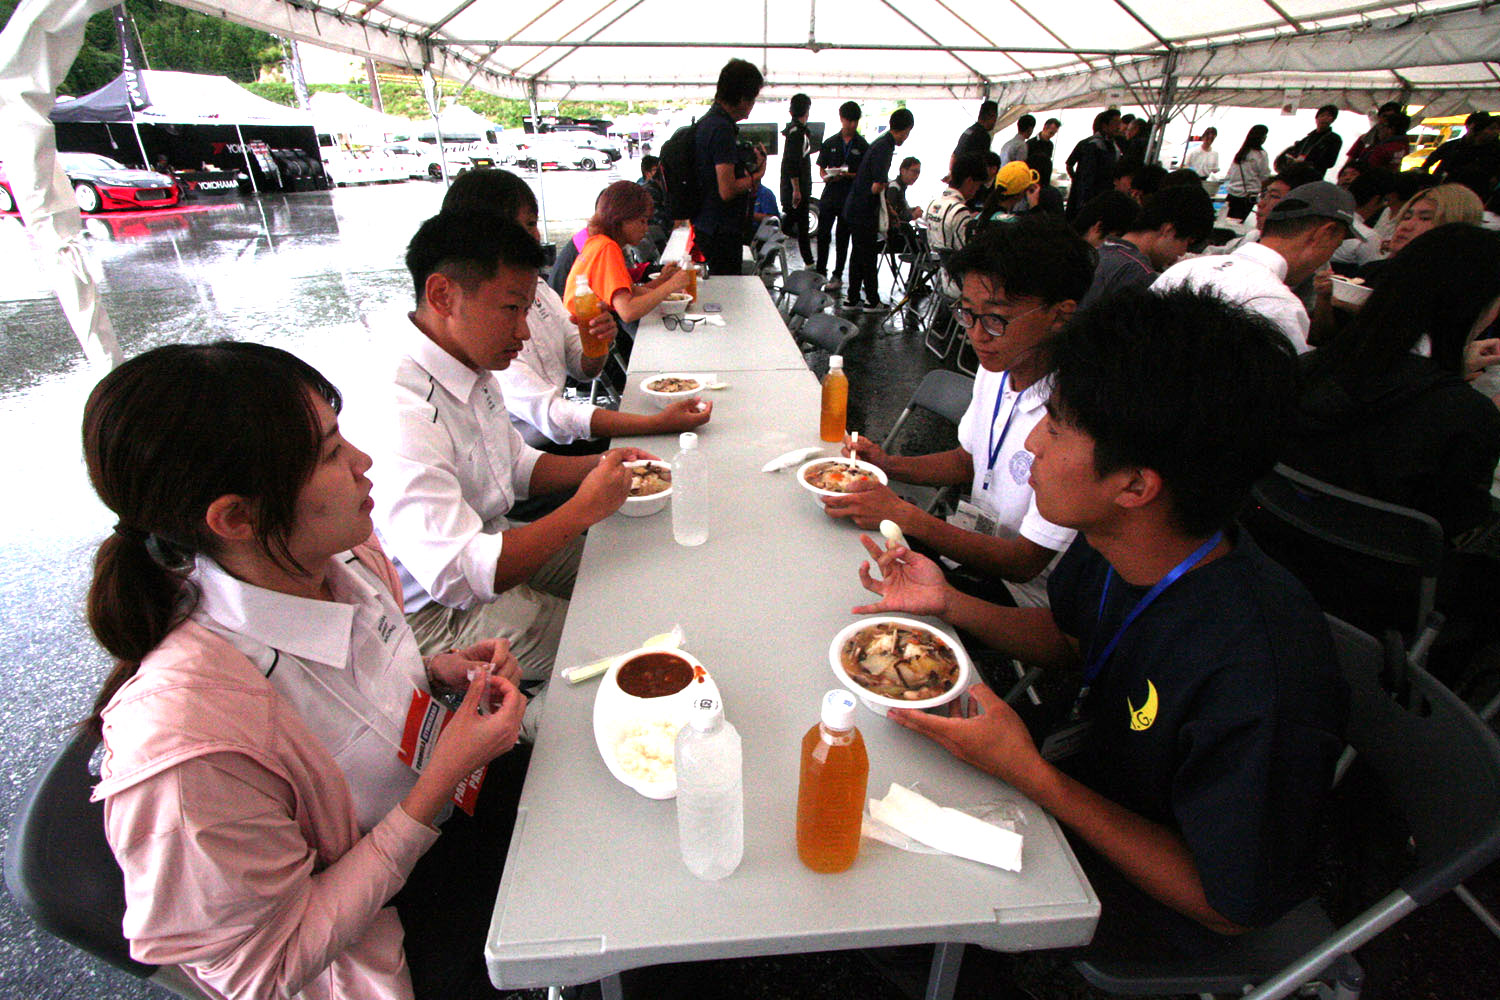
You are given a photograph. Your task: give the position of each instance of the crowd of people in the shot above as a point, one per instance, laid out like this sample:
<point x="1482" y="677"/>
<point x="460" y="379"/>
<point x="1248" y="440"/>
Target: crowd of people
<point x="289" y="581"/>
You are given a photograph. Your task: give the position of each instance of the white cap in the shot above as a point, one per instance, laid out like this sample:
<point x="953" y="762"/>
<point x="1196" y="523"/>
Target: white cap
<point x="834" y="360"/>
<point x="838" y="711"/>
<point x="705" y="714"/>
<point x="687" y="441"/>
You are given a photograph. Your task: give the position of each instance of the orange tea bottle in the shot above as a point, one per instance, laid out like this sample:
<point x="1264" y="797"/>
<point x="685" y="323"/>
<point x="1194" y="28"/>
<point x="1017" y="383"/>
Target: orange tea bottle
<point x="835" y="400"/>
<point x="586" y="308"/>
<point x="831" y="789"/>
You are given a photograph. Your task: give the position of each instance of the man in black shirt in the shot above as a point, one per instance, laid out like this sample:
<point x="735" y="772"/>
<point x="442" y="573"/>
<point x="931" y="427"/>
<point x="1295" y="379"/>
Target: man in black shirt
<point x="723" y="178"/>
<point x="1039" y="150"/>
<point x="864" y="210"/>
<point x="1200" y="749"/>
<point x="976" y="138"/>
<point x="1474" y="159"/>
<point x="838" y="162"/>
<point x="1319" y="149"/>
<point x="796" y="175"/>
<point x="1092" y="161"/>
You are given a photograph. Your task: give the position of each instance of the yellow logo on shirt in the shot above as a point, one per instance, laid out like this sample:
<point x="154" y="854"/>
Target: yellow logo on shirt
<point x="1141" y="718"/>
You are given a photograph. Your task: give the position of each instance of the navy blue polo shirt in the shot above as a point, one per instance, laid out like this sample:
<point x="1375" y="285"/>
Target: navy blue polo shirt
<point x="874" y="168"/>
<point x="835" y="152"/>
<point x="1220" y="715"/>
<point x="716" y="136"/>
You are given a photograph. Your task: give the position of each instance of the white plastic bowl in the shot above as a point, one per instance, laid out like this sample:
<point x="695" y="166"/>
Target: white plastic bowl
<point x="818" y="494"/>
<point x="645" y="506"/>
<point x="661" y="400"/>
<point x="1349" y="293"/>
<point x="880" y="704"/>
<point x="675" y="304"/>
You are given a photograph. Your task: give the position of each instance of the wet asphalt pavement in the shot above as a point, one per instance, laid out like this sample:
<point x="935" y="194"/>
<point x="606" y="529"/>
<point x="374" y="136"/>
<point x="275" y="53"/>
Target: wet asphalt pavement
<point x="298" y="271"/>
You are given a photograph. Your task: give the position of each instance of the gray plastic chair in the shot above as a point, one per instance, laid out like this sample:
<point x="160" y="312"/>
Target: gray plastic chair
<point x="795" y="284"/>
<point x="1371" y="563"/>
<point x="61" y="873"/>
<point x="771" y="263"/>
<point x="809" y="303"/>
<point x="942" y="392"/>
<point x="827" y="332"/>
<point x="1439" y="766"/>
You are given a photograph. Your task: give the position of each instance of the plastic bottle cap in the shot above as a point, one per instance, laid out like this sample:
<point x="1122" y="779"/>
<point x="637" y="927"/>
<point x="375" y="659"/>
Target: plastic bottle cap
<point x="687" y="441"/>
<point x="838" y="711"/>
<point x="581" y="281"/>
<point x="834" y="360"/>
<point x="705" y="714"/>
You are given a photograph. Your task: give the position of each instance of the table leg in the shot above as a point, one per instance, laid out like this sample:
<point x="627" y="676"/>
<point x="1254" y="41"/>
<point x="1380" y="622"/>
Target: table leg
<point x="613" y="989"/>
<point x="947" y="956"/>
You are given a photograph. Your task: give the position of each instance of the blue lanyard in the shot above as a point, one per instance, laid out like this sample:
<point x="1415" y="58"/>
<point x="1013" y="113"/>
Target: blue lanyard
<point x="1096" y="664"/>
<point x="997" y="443"/>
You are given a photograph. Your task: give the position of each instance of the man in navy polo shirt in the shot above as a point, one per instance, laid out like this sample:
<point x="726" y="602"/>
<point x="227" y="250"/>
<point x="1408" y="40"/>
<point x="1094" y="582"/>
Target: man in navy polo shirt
<point x="725" y="181"/>
<point x="1192" y="767"/>
<point x="838" y="162"/>
<point x="864" y="211"/>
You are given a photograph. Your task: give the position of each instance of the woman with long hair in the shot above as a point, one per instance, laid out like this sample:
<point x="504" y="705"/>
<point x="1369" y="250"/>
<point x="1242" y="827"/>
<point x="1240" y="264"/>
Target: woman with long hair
<point x="258" y="790"/>
<point x="621" y="217"/>
<point x="1386" y="410"/>
<point x="1249" y="169"/>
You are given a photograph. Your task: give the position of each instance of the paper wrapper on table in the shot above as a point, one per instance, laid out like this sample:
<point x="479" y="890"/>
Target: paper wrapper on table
<point x="666" y="640"/>
<point x="947" y="830"/>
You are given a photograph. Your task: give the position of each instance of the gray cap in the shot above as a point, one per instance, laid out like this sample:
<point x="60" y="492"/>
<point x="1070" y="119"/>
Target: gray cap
<point x="1319" y="199"/>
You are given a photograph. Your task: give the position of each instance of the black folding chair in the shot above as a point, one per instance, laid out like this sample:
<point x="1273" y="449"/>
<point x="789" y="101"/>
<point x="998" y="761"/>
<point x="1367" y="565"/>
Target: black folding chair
<point x="947" y="395"/>
<point x="1438" y="765"/>
<point x="61" y="873"/>
<point x="793" y="285"/>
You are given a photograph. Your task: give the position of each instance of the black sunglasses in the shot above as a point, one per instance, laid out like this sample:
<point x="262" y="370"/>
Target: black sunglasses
<point x="672" y="321"/>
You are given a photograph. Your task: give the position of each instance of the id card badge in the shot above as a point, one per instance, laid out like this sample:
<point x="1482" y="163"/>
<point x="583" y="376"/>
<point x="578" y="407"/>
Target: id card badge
<point x="1065" y="741"/>
<point x="425" y="720"/>
<point x="972" y="517"/>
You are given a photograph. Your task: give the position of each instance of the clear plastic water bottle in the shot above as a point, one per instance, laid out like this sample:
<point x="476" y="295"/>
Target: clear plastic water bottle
<point x="689" y="493"/>
<point x="710" y="792"/>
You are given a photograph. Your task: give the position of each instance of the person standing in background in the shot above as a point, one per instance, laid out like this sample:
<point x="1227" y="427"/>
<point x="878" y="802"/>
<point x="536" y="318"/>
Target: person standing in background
<point x="1092" y="161"/>
<point x="1204" y="161"/>
<point x="865" y="210"/>
<point x="726" y="183"/>
<point x="976" y="138"/>
<point x="1250" y="169"/>
<point x="838" y="162"/>
<point x="1319" y="149"/>
<point x="1015" y="149"/>
<point x="796" y="175"/>
<point x="1039" y="150"/>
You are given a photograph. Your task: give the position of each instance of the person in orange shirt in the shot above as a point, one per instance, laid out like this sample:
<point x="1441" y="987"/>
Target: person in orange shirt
<point x="620" y="218"/>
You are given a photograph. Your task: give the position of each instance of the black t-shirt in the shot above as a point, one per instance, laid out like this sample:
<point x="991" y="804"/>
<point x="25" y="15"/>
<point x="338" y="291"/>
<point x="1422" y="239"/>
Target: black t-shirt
<point x="796" y="157"/>
<point x="837" y="153"/>
<point x="874" y="168"/>
<point x="974" y="139"/>
<point x="1039" y="157"/>
<point x="716" y="137"/>
<point x="1219" y="715"/>
<point x="1321" y="150"/>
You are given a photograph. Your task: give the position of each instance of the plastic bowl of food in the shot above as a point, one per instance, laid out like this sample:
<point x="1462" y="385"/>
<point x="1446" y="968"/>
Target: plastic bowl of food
<point x="650" y="487"/>
<point x="668" y="387"/>
<point x="891" y="662"/>
<point x="832" y="477"/>
<point x="1350" y="293"/>
<point x="676" y="304"/>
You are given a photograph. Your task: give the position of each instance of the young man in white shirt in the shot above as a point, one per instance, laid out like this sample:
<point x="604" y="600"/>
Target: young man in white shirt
<point x="534" y="382"/>
<point x="1300" y="235"/>
<point x="1015" y="149"/>
<point x="1021" y="282"/>
<point x="451" y="465"/>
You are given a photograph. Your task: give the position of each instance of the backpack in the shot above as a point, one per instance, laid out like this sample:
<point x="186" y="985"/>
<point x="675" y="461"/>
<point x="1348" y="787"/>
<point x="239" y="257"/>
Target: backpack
<point x="679" y="165"/>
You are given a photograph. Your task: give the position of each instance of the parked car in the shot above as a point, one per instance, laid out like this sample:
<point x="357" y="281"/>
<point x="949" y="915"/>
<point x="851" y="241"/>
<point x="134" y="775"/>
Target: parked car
<point x="421" y="159"/>
<point x="552" y="151"/>
<point x="100" y="183"/>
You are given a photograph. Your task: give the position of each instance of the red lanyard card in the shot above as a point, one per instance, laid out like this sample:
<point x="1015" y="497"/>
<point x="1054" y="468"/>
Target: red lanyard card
<point x="425" y="721"/>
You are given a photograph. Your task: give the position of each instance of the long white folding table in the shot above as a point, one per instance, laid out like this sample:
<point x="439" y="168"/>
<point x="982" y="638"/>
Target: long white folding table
<point x="753" y="337"/>
<point x="593" y="884"/>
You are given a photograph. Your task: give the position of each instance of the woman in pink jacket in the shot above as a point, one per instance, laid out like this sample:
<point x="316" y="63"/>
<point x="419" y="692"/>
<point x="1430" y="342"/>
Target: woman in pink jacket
<point x="263" y="723"/>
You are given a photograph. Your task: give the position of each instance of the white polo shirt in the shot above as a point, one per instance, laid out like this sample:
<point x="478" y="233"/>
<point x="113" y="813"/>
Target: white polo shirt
<point x="533" y="383"/>
<point x="348" y="666"/>
<point x="449" y="465"/>
<point x="1253" y="276"/>
<point x="1003" y="490"/>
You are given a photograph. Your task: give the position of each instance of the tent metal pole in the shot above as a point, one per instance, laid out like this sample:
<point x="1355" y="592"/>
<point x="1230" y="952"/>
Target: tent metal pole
<point x="145" y="159"/>
<point x="541" y="187"/>
<point x="429" y="87"/>
<point x="245" y="152"/>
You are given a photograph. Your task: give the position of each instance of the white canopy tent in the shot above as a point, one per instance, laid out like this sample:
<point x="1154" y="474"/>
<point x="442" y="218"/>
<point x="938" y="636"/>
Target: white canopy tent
<point x="341" y="114"/>
<point x="1160" y="54"/>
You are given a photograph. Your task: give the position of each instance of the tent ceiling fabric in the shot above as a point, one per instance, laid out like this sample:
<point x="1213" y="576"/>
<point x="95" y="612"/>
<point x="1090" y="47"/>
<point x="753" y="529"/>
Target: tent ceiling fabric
<point x="1019" y="51"/>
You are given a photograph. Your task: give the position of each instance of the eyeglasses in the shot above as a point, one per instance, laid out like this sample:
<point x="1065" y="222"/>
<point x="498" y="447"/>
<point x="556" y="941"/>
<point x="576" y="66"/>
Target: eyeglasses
<point x="672" y="321"/>
<point x="994" y="323"/>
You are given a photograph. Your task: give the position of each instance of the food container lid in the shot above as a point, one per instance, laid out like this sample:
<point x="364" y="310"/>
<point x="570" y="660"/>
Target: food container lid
<point x="838" y="710"/>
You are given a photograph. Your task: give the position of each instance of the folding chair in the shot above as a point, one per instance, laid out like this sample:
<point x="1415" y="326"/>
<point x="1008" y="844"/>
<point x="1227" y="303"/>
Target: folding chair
<point x="769" y="229"/>
<point x="1439" y="766"/>
<point x="795" y="284"/>
<point x="771" y="263"/>
<point x="1371" y="563"/>
<point x="947" y="395"/>
<point x="942" y="327"/>
<point x="809" y="303"/>
<point x="827" y="332"/>
<point x="60" y="871"/>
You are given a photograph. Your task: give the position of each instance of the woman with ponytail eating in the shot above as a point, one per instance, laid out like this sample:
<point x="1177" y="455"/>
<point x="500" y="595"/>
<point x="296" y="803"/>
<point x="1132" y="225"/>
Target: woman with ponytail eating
<point x="274" y="837"/>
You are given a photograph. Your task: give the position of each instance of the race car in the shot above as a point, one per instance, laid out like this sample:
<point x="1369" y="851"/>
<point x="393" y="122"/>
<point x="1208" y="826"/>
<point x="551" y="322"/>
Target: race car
<point x="100" y="183"/>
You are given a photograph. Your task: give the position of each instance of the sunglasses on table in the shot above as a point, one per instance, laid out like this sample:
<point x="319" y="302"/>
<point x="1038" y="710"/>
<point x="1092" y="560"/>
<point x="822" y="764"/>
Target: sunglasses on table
<point x="673" y="321"/>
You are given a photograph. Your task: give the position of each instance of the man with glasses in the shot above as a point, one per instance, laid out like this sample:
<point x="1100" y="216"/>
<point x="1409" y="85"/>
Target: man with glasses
<point x="1020" y="284"/>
